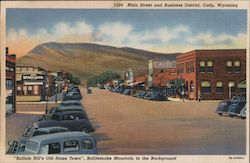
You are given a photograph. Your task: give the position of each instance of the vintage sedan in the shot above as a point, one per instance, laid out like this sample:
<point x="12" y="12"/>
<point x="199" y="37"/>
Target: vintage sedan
<point x="61" y="143"/>
<point x="71" y="103"/>
<point x="72" y="120"/>
<point x="235" y="108"/>
<point x="157" y="96"/>
<point x="30" y="131"/>
<point x="222" y="108"/>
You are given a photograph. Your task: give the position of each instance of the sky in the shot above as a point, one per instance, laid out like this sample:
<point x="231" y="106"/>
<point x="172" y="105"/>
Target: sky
<point x="163" y="30"/>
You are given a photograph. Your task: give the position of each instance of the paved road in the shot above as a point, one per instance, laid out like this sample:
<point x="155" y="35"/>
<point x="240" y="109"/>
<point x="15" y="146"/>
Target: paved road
<point x="128" y="125"/>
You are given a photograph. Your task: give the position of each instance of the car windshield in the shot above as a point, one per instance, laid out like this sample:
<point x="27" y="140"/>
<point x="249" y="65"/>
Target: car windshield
<point x="28" y="132"/>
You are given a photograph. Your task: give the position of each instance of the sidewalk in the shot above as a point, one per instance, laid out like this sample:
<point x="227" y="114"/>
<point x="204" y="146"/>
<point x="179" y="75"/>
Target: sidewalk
<point x="186" y="100"/>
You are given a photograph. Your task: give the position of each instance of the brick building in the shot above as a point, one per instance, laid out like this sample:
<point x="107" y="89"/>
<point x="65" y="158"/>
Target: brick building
<point x="213" y="74"/>
<point x="10" y="82"/>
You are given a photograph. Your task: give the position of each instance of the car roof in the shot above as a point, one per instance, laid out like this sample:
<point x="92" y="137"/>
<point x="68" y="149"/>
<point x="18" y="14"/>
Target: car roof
<point x="49" y="129"/>
<point x="71" y="101"/>
<point x="60" y="135"/>
<point x="69" y="111"/>
<point x="69" y="107"/>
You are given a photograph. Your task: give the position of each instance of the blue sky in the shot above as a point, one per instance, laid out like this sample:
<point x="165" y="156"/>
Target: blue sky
<point x="156" y="30"/>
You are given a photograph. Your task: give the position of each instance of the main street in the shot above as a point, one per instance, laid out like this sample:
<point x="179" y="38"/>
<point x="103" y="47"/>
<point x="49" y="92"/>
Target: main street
<point x="129" y="125"/>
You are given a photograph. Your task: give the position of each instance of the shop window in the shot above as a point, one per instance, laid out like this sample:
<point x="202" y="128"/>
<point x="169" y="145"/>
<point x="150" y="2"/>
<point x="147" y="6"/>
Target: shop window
<point x="24" y="90"/>
<point x="237" y="66"/>
<point x="219" y="87"/>
<point x="29" y="90"/>
<point x="19" y="90"/>
<point x="202" y="66"/>
<point x="229" y="66"/>
<point x="232" y="85"/>
<point x="71" y="146"/>
<point x="206" y="87"/>
<point x="9" y="84"/>
<point x="209" y="66"/>
<point x="36" y="87"/>
<point x="191" y="86"/>
<point x="87" y="144"/>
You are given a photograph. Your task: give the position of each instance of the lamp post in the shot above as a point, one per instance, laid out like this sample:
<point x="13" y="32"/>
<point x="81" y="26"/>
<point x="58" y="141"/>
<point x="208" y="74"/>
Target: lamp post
<point x="56" y="92"/>
<point x="47" y="98"/>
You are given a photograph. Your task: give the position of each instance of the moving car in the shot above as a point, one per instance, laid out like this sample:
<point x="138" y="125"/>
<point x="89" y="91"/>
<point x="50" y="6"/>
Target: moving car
<point x="30" y="131"/>
<point x="72" y="120"/>
<point x="235" y="108"/>
<point x="61" y="143"/>
<point x="127" y="92"/>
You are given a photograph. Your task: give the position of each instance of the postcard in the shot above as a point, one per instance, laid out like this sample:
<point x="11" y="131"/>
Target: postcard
<point x="124" y="81"/>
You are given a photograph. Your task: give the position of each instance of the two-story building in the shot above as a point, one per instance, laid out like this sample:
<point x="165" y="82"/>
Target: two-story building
<point x="212" y="74"/>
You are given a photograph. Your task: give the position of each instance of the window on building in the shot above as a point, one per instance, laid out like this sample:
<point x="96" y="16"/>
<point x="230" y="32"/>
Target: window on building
<point x="202" y="66"/>
<point x="206" y="87"/>
<point x="219" y="87"/>
<point x="9" y="84"/>
<point x="19" y="90"/>
<point x="191" y="86"/>
<point x="29" y="90"/>
<point x="230" y="66"/>
<point x="36" y="87"/>
<point x="209" y="66"/>
<point x="24" y="90"/>
<point x="237" y="66"/>
<point x="232" y="85"/>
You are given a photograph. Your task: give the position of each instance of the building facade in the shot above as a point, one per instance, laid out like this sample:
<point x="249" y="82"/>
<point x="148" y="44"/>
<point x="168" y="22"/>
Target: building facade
<point x="30" y="83"/>
<point x="10" y="83"/>
<point x="212" y="74"/>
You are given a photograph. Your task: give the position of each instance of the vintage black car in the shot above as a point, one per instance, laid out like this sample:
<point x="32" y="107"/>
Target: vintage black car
<point x="30" y="131"/>
<point x="72" y="96"/>
<point x="223" y="107"/>
<point x="235" y="108"/>
<point x="71" y="103"/>
<point x="157" y="96"/>
<point x="72" y="120"/>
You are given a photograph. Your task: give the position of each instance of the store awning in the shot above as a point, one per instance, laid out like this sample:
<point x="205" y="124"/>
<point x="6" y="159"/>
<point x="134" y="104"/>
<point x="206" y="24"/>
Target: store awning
<point x="135" y="83"/>
<point x="242" y="84"/>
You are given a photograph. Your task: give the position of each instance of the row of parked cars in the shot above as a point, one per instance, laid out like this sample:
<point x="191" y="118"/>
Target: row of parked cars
<point x="234" y="107"/>
<point x="62" y="130"/>
<point x="157" y="95"/>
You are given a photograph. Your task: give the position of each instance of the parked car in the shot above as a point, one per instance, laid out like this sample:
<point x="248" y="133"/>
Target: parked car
<point x="158" y="96"/>
<point x="65" y="108"/>
<point x="30" y="131"/>
<point x="243" y="113"/>
<point x="238" y="98"/>
<point x="72" y="120"/>
<point x="127" y="91"/>
<point x="223" y="107"/>
<point x="61" y="143"/>
<point x="235" y="108"/>
<point x="72" y="96"/>
<point x="71" y="103"/>
<point x="140" y="94"/>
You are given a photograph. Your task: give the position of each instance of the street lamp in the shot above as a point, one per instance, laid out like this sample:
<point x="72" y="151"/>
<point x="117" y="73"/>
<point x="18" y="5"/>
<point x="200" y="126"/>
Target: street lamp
<point x="56" y="92"/>
<point x="230" y="85"/>
<point x="47" y="98"/>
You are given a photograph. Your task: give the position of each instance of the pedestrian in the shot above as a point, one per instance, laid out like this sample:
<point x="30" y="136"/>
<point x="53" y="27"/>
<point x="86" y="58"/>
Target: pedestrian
<point x="183" y="95"/>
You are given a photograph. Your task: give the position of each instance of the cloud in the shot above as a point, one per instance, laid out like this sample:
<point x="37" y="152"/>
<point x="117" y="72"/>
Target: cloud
<point x="21" y="41"/>
<point x="179" y="38"/>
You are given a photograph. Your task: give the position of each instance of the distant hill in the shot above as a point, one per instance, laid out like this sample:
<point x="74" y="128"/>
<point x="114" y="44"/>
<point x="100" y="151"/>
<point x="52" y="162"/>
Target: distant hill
<point x="86" y="60"/>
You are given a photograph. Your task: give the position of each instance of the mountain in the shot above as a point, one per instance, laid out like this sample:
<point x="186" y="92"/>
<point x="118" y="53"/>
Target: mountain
<point x="86" y="60"/>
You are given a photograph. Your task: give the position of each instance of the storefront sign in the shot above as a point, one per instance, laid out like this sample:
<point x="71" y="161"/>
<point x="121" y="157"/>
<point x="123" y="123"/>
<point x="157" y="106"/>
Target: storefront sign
<point x="33" y="77"/>
<point x="33" y="83"/>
